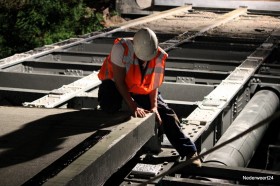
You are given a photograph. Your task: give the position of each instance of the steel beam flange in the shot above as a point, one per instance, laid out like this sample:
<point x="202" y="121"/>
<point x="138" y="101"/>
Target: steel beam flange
<point x="251" y="62"/>
<point x="18" y="58"/>
<point x="66" y="92"/>
<point x="210" y="104"/>
<point x="239" y="74"/>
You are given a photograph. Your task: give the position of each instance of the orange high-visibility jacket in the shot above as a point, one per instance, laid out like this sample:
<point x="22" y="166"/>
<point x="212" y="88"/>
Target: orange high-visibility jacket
<point x="153" y="75"/>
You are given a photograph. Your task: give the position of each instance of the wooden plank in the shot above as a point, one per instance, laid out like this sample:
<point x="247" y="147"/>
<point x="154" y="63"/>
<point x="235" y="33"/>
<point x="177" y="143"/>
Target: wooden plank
<point x="153" y="17"/>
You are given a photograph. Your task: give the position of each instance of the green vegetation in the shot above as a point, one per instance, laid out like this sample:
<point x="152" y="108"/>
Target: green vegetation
<point x="27" y="24"/>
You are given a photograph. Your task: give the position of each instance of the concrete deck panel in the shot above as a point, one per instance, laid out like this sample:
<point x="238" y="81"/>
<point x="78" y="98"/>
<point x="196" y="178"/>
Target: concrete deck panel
<point x="33" y="139"/>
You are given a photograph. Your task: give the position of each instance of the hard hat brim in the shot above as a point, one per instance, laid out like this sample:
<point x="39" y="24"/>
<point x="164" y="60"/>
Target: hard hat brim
<point x="146" y="57"/>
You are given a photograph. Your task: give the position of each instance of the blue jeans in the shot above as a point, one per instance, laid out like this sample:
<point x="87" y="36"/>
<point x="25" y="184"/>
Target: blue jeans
<point x="110" y="101"/>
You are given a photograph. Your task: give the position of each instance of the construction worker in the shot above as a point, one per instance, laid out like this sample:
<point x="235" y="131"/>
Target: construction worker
<point x="133" y="72"/>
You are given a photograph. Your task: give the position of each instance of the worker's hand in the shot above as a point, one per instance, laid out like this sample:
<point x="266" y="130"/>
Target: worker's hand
<point x="140" y="112"/>
<point x="158" y="118"/>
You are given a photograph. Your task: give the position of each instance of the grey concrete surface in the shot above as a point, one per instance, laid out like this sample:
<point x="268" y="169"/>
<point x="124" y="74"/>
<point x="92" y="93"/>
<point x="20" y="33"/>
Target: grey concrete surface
<point x="32" y="138"/>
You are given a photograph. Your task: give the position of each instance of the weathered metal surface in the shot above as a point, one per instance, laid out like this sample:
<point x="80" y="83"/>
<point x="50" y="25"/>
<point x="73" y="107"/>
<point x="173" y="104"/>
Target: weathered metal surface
<point x="146" y="170"/>
<point x="160" y="163"/>
<point x="34" y="81"/>
<point x="182" y="92"/>
<point x="214" y="103"/>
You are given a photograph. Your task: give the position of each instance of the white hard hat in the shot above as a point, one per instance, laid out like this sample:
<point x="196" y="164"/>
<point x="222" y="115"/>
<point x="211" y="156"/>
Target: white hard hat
<point x="145" y="44"/>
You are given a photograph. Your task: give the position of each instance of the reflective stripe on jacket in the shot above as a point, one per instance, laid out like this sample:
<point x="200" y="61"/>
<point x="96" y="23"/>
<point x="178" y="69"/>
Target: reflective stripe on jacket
<point x="136" y="83"/>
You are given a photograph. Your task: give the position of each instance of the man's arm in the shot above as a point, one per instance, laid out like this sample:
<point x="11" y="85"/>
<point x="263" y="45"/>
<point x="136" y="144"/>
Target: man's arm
<point x="153" y="100"/>
<point x="119" y="77"/>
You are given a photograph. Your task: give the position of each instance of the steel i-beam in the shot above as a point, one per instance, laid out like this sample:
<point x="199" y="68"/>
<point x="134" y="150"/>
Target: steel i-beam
<point x="215" y="102"/>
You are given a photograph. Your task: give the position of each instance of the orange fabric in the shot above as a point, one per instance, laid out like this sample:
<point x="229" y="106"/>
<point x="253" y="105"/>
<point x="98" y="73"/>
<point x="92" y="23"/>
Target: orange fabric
<point x="137" y="84"/>
<point x="106" y="71"/>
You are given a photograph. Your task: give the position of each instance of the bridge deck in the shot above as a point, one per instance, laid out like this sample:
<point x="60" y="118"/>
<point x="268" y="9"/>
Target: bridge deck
<point x="41" y="142"/>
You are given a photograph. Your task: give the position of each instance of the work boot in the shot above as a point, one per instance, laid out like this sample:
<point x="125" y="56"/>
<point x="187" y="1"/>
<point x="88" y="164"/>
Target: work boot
<point x="196" y="162"/>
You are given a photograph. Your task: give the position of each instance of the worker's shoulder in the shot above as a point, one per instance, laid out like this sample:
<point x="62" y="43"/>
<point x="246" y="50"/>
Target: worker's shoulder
<point x="117" y="47"/>
<point x="122" y="41"/>
<point x="162" y="51"/>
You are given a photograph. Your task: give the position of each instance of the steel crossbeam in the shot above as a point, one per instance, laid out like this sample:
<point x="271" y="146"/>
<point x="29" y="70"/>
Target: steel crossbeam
<point x="58" y="96"/>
